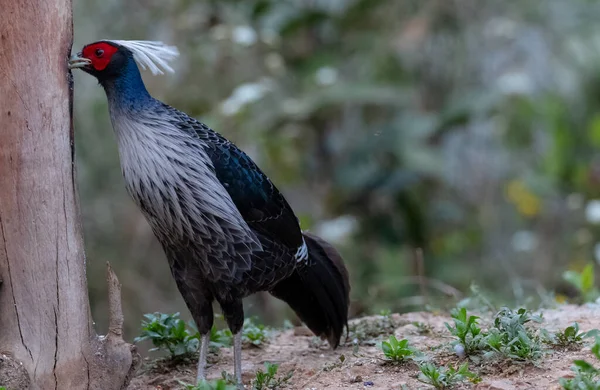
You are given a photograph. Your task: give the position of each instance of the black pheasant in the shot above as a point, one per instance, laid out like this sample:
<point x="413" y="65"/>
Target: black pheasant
<point x="225" y="228"/>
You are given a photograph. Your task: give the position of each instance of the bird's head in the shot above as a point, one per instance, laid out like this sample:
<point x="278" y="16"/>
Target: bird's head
<point x="109" y="59"/>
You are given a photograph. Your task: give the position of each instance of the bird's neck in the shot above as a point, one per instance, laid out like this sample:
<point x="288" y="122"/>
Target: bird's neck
<point x="127" y="89"/>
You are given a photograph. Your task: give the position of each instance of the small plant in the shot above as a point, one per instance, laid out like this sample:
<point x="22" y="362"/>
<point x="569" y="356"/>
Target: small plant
<point x="587" y="377"/>
<point x="219" y="338"/>
<point x="168" y="332"/>
<point x="445" y="377"/>
<point x="253" y="333"/>
<point x="570" y="337"/>
<point x="218" y="384"/>
<point x="422" y="327"/>
<point x="397" y="351"/>
<point x="511" y="338"/>
<point x="267" y="379"/>
<point x="584" y="282"/>
<point x="467" y="330"/>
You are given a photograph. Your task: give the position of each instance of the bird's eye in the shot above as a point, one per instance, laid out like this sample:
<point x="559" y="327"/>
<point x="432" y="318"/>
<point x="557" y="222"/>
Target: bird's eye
<point x="99" y="53"/>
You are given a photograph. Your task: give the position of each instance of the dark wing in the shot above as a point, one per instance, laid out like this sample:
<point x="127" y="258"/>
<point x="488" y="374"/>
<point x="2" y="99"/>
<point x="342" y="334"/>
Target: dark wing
<point x="259" y="202"/>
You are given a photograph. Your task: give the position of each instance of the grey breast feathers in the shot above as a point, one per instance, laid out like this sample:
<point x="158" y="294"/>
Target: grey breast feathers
<point x="171" y="178"/>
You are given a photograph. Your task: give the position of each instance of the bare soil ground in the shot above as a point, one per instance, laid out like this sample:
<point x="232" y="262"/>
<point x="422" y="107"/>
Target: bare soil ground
<point x="315" y="366"/>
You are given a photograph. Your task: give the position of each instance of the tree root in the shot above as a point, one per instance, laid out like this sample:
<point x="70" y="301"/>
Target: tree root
<point x="12" y="373"/>
<point x="112" y="361"/>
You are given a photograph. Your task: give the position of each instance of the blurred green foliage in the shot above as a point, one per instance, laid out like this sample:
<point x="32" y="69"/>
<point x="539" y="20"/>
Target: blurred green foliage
<point x="466" y="128"/>
<point x="583" y="282"/>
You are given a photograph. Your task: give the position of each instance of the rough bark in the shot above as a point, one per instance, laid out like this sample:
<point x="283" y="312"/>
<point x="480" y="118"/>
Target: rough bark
<point x="45" y="321"/>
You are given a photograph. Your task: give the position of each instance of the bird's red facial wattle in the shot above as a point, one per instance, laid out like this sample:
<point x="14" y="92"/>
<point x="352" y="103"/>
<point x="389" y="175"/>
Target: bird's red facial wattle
<point x="99" y="54"/>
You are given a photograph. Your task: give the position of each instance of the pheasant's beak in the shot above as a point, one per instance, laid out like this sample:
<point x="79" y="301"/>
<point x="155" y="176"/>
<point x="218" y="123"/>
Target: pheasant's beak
<point x="77" y="61"/>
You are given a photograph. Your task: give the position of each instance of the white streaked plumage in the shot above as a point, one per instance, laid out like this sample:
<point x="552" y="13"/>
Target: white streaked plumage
<point x="302" y="252"/>
<point x="152" y="153"/>
<point x="153" y="55"/>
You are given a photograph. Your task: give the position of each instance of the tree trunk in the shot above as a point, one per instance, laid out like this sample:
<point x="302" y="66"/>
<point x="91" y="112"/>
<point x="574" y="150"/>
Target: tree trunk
<point x="46" y="336"/>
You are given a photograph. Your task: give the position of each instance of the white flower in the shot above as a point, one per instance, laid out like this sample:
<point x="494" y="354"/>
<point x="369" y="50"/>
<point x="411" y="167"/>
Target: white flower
<point x="244" y="35"/>
<point x="592" y="211"/>
<point x="326" y="75"/>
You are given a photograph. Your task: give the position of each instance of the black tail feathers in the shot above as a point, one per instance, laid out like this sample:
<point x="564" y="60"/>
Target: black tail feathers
<point x="319" y="292"/>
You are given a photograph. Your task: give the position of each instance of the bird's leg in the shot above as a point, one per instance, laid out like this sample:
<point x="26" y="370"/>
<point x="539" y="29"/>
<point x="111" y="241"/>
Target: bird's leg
<point x="204" y="340"/>
<point x="237" y="358"/>
<point x="233" y="310"/>
<point x="198" y="300"/>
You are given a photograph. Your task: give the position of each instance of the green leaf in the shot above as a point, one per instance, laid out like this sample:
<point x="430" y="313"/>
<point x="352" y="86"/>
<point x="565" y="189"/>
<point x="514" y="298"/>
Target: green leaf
<point x="271" y="368"/>
<point x="573" y="278"/>
<point x="596" y="349"/>
<point x="387" y="348"/>
<point x="594" y="130"/>
<point x="587" y="278"/>
<point x="584" y="366"/>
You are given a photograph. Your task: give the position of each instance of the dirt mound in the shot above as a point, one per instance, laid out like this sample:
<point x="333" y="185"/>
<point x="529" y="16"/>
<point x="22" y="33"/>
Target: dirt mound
<point x="315" y="366"/>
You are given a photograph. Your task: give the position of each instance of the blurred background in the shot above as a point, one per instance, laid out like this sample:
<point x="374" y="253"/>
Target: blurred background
<point x="436" y="143"/>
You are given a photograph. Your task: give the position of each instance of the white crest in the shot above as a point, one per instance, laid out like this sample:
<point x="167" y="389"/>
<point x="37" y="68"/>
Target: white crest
<point x="153" y="55"/>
